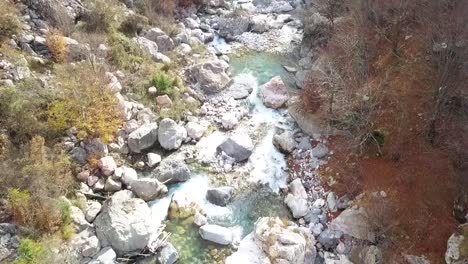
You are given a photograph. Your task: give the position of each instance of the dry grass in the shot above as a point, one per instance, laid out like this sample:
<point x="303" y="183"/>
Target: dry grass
<point x="57" y="45"/>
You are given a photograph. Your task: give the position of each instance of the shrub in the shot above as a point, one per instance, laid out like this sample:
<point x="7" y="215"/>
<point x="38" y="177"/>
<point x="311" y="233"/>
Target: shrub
<point x="133" y="24"/>
<point x="124" y="52"/>
<point x="28" y="103"/>
<point x="103" y="16"/>
<point x="163" y="83"/>
<point x="9" y="22"/>
<point x="57" y="45"/>
<point x="30" y="252"/>
<point x="19" y="202"/>
<point x="85" y="103"/>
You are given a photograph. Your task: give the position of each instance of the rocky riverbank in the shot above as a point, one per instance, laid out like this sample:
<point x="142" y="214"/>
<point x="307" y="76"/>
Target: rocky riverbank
<point x="235" y="180"/>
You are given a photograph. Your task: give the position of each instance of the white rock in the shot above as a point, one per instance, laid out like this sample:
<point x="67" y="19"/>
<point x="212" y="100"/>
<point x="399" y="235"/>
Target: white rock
<point x="124" y="223"/>
<point x="217" y="234"/>
<point x="275" y="93"/>
<point x="143" y="138"/>
<point x="92" y="211"/>
<point x="170" y="134"/>
<point x="107" y="165"/>
<point x="153" y="159"/>
<point x="195" y="130"/>
<point x="229" y="120"/>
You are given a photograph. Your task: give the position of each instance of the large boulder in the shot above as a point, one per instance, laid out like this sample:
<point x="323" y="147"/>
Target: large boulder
<point x="274" y="239"/>
<point x="183" y="206"/>
<point x="107" y="165"/>
<point x="168" y="254"/>
<point x="217" y="234"/>
<point x="143" y="138"/>
<point x="211" y="75"/>
<point x="195" y="130"/>
<point x="106" y="256"/>
<point x="148" y="189"/>
<point x="170" y="134"/>
<point x="231" y="26"/>
<point x="164" y="42"/>
<point x="354" y="222"/>
<point x="454" y="255"/>
<point x="220" y="196"/>
<point x="59" y="13"/>
<point x="296" y="200"/>
<point x="239" y="146"/>
<point x="285" y="142"/>
<point x="172" y="170"/>
<point x="275" y="93"/>
<point x="148" y="46"/>
<point x="124" y="223"/>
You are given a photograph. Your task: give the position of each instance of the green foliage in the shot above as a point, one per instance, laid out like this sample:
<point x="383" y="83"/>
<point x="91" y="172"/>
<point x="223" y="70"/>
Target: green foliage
<point x="23" y="110"/>
<point x="164" y="83"/>
<point x="30" y="252"/>
<point x="19" y="202"/>
<point x="85" y="103"/>
<point x="9" y="22"/>
<point x="124" y="52"/>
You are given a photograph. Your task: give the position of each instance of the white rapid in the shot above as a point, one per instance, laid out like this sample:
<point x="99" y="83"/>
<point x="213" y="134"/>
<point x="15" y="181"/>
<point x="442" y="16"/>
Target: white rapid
<point x="268" y="164"/>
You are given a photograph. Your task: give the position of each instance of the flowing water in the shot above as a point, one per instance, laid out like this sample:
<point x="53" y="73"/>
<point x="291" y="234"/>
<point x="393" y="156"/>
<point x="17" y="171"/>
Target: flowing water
<point x="268" y="175"/>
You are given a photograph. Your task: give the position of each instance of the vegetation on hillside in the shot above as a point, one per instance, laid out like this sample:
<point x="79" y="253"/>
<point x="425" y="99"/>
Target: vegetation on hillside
<point x="392" y="75"/>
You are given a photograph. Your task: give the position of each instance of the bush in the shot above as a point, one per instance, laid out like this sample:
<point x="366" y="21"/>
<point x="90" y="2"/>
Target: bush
<point x="103" y="16"/>
<point x="57" y="45"/>
<point x="133" y="24"/>
<point x="19" y="202"/>
<point x="85" y="103"/>
<point x="23" y="110"/>
<point x="30" y="252"/>
<point x="163" y="83"/>
<point x="124" y="52"/>
<point x="9" y="22"/>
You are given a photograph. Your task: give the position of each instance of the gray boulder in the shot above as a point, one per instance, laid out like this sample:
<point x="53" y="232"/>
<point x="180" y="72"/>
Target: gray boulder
<point x="220" y="196"/>
<point x="330" y="239"/>
<point x="274" y="93"/>
<point x="453" y="254"/>
<point x="148" y="189"/>
<point x="217" y="234"/>
<point x="124" y="223"/>
<point x="58" y="13"/>
<point x="172" y="170"/>
<point x="285" y="142"/>
<point x="238" y="146"/>
<point x="164" y="42"/>
<point x="211" y="75"/>
<point x="149" y="47"/>
<point x="168" y="254"/>
<point x="143" y="138"/>
<point x="170" y="134"/>
<point x="320" y="151"/>
<point x="78" y="218"/>
<point x="296" y="199"/>
<point x="231" y="26"/>
<point x="106" y="256"/>
<point x="354" y="222"/>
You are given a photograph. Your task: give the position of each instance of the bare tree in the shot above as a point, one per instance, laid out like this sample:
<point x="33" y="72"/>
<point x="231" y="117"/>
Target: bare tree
<point x="331" y="9"/>
<point x="446" y="42"/>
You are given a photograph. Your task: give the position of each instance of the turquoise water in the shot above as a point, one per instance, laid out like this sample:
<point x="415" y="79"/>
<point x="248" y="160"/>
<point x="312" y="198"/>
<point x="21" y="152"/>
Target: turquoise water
<point x="245" y="209"/>
<point x="264" y="66"/>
